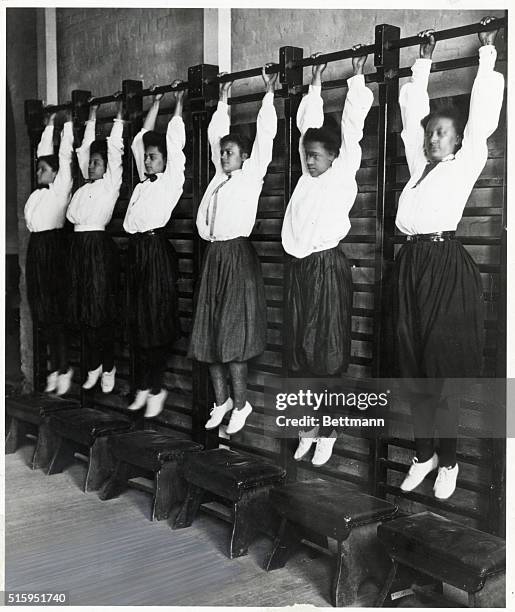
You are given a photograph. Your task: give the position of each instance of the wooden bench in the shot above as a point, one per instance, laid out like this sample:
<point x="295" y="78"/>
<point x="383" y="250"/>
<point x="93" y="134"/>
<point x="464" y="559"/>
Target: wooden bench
<point x="137" y="453"/>
<point x="26" y="414"/>
<point x="90" y="428"/>
<point x="466" y="558"/>
<point x="316" y="510"/>
<point x="244" y="481"/>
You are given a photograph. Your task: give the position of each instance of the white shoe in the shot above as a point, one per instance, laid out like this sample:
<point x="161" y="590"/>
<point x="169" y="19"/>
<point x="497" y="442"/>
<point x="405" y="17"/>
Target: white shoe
<point x="306" y="439"/>
<point x="93" y="376"/>
<point x="107" y="382"/>
<point x="238" y="418"/>
<point x="323" y="450"/>
<point x="64" y="382"/>
<point x="140" y="400"/>
<point x="51" y="382"/>
<point x="155" y="403"/>
<point x="445" y="483"/>
<point x="218" y="412"/>
<point x="418" y="471"/>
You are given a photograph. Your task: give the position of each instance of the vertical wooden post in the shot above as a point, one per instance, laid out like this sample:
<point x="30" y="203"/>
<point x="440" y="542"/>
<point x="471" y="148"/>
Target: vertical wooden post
<point x="386" y="62"/>
<point x="35" y="125"/>
<point x="202" y="97"/>
<point x="133" y="115"/>
<point x="291" y="80"/>
<point x="80" y="113"/>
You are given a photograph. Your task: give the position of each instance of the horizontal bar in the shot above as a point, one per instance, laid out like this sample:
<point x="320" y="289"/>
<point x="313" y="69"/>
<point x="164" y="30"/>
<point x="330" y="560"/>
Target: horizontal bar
<point x="333" y="57"/>
<point x="243" y="74"/>
<point x="474" y="28"/>
<point x="55" y="108"/>
<point x="165" y="89"/>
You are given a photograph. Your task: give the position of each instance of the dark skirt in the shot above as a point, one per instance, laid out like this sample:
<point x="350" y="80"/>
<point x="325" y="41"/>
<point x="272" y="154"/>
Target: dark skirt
<point x="45" y="275"/>
<point x="94" y="272"/>
<point x="230" y="316"/>
<point x="320" y="303"/>
<point x="438" y="311"/>
<point x="153" y="301"/>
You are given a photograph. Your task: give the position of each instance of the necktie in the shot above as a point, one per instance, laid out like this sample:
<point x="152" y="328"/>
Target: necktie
<point x="214" y="199"/>
<point x="150" y="177"/>
<point x="427" y="170"/>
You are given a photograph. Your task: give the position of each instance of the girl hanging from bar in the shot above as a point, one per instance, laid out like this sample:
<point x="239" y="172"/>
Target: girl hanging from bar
<point x="315" y="223"/>
<point x="94" y="262"/>
<point x="229" y="326"/>
<point x="45" y="212"/>
<point x="151" y="259"/>
<point x="438" y="310"/>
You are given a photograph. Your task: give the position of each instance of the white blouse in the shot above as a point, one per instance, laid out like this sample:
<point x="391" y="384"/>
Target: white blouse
<point x="436" y="204"/>
<point x="152" y="202"/>
<point x="92" y="204"/>
<point x="46" y="208"/>
<point x="317" y="216"/>
<point x="237" y="200"/>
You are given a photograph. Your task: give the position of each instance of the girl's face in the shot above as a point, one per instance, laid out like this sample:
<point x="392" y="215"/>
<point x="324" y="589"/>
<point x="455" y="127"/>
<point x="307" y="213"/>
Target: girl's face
<point x="154" y="160"/>
<point x="96" y="167"/>
<point x="318" y="158"/>
<point x="231" y="157"/>
<point x="440" y="138"/>
<point x="45" y="174"/>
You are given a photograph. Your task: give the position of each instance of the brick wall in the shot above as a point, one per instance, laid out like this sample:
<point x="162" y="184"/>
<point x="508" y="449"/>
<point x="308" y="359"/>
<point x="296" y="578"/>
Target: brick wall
<point x="98" y="48"/>
<point x="257" y="35"/>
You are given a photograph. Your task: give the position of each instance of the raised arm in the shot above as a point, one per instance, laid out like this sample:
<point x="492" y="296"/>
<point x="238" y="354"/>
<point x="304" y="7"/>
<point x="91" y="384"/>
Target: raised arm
<point x="220" y="124"/>
<point x="175" y="141"/>
<point x="357" y="104"/>
<point x="137" y="146"/>
<point x="310" y="113"/>
<point x="114" y="170"/>
<point x="266" y="129"/>
<point x="46" y="143"/>
<point x="414" y="103"/>
<point x="89" y="137"/>
<point x="485" y="104"/>
<point x="64" y="180"/>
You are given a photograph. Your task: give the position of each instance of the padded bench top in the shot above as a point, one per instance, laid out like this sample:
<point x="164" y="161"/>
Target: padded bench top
<point x="445" y="549"/>
<point x="228" y="473"/>
<point x="84" y="425"/>
<point x="330" y="509"/>
<point x="31" y="407"/>
<point x="150" y="449"/>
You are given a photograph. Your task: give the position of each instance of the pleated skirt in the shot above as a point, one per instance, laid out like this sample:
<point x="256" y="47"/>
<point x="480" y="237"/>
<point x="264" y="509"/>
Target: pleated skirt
<point x="94" y="272"/>
<point x="46" y="276"/>
<point x="230" y="314"/>
<point x="153" y="302"/>
<point x="320" y="303"/>
<point x="438" y="311"/>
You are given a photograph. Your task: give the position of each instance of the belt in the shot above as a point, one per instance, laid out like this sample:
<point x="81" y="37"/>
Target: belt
<point x="434" y="237"/>
<point x="89" y="228"/>
<point x="151" y="232"/>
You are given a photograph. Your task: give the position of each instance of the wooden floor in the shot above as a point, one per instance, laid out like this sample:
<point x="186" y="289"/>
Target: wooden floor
<point x="109" y="553"/>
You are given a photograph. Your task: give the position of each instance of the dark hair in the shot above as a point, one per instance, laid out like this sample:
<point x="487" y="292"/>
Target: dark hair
<point x="51" y="160"/>
<point x="100" y="147"/>
<point x="242" y="141"/>
<point x="447" y="112"/>
<point x="154" y="139"/>
<point x="326" y="135"/>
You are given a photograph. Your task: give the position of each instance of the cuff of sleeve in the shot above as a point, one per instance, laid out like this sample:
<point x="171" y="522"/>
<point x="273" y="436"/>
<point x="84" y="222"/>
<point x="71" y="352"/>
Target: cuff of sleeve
<point x="421" y="67"/>
<point x="268" y="98"/>
<point x="68" y="129"/>
<point x="316" y="89"/>
<point x="117" y="129"/>
<point x="356" y="80"/>
<point x="222" y="106"/>
<point x="487" y="57"/>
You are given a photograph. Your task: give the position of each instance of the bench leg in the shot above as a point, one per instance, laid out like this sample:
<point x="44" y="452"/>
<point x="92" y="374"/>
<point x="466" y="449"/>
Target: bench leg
<point x="383" y="593"/>
<point x="14" y="436"/>
<point x="317" y="539"/>
<point x="189" y="508"/>
<point x="63" y="456"/>
<point x="168" y="491"/>
<point x="45" y="447"/>
<point x="492" y="595"/>
<point x="116" y="484"/>
<point x="100" y="464"/>
<point x="286" y="543"/>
